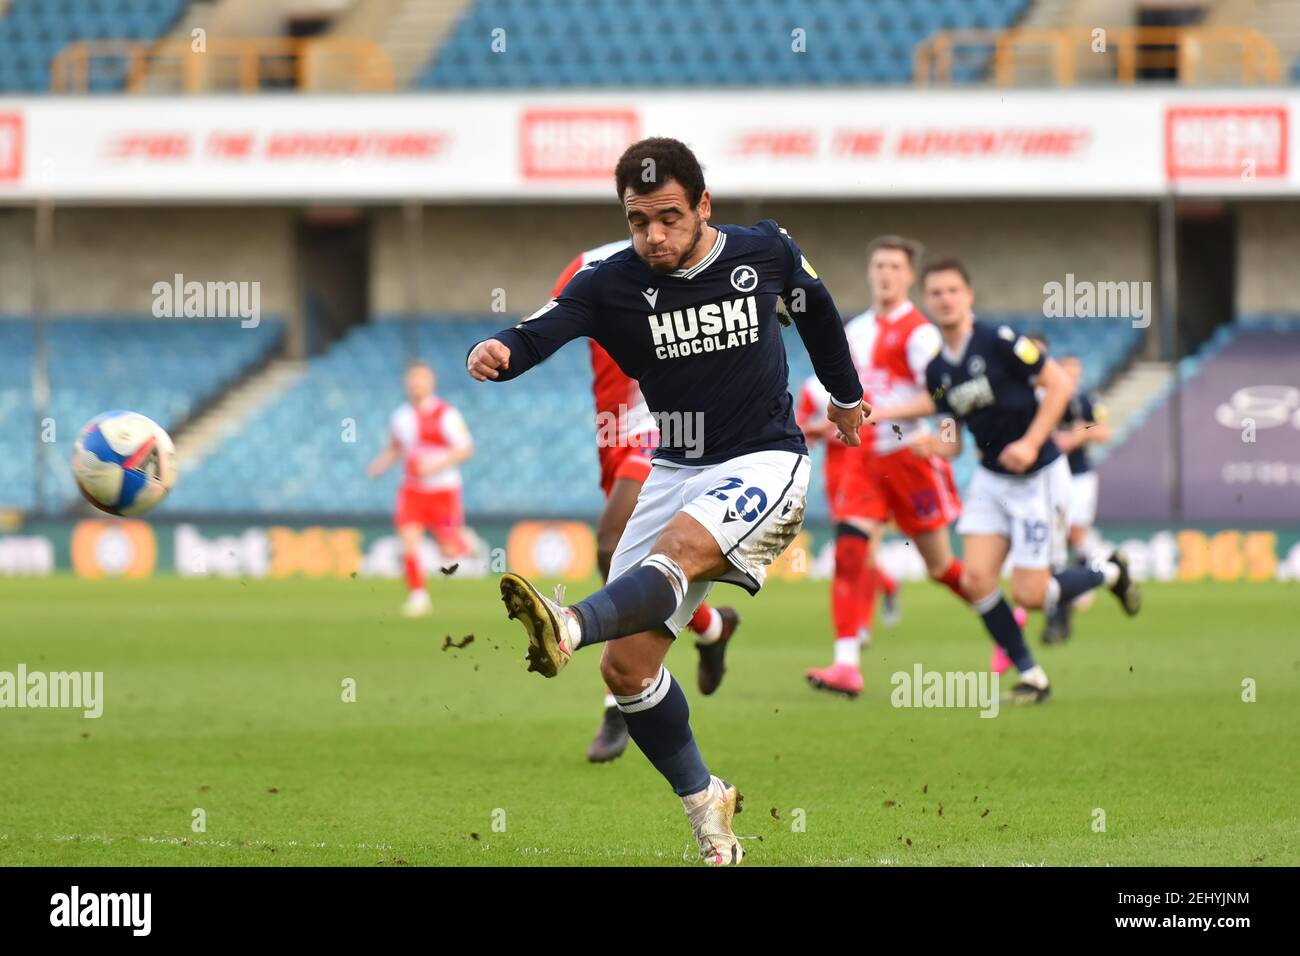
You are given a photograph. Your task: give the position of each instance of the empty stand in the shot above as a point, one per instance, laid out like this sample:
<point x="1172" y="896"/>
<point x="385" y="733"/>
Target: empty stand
<point x="599" y="43"/>
<point x="534" y="436"/>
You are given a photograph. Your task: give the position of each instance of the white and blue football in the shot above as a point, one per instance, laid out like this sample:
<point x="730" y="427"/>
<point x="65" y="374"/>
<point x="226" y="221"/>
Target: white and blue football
<point x="124" y="463"/>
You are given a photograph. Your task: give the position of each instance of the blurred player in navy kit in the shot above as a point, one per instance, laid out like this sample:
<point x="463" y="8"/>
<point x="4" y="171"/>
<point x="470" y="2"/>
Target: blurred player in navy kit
<point x="990" y="379"/>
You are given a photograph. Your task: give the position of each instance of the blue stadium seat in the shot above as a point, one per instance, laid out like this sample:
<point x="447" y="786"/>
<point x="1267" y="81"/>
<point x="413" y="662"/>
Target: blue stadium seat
<point x="32" y="32"/>
<point x="755" y="45"/>
<point x="360" y="378"/>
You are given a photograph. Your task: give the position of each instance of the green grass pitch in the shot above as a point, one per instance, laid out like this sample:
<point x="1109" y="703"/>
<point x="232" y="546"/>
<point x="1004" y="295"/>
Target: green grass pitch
<point x="226" y="696"/>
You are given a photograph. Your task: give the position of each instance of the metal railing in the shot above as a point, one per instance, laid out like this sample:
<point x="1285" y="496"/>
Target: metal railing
<point x="218" y="65"/>
<point x="1067" y="55"/>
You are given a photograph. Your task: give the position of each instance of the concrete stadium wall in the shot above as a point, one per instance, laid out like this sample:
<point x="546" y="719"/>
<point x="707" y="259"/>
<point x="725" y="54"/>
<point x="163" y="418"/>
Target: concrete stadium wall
<point x="108" y="259"/>
<point x="1012" y="249"/>
<point x="1268" y="249"/>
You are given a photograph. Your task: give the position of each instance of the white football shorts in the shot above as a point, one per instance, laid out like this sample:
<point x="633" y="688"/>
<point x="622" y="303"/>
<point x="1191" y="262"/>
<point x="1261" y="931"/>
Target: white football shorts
<point x="1083" y="499"/>
<point x="753" y="506"/>
<point x="1031" y="511"/>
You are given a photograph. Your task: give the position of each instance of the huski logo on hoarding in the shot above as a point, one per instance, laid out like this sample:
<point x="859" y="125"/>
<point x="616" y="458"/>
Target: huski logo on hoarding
<point x="1226" y="142"/>
<point x="11" y="147"/>
<point x="574" y="143"/>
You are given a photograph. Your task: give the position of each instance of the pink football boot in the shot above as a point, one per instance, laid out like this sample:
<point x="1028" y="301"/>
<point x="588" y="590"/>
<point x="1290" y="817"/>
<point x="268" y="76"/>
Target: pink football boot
<point x="838" y="678"/>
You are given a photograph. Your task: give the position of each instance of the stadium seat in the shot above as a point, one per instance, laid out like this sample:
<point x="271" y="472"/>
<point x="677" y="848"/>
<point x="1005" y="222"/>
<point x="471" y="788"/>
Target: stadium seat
<point x="859" y="43"/>
<point x="360" y="378"/>
<point x="32" y="32"/>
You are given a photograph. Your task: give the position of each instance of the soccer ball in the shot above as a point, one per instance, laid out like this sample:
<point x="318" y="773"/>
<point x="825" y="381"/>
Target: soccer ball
<point x="124" y="463"/>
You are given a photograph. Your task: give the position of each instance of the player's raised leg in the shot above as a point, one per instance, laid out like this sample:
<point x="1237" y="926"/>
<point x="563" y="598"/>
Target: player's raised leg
<point x="1039" y="505"/>
<point x="611" y="738"/>
<point x="635" y="616"/>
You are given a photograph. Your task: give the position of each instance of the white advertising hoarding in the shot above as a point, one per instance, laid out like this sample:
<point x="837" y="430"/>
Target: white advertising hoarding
<point x="759" y="143"/>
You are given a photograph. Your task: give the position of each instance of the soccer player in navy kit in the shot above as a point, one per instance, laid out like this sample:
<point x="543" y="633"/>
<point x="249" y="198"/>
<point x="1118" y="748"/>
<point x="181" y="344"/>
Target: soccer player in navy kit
<point x="1018" y="501"/>
<point x="689" y="311"/>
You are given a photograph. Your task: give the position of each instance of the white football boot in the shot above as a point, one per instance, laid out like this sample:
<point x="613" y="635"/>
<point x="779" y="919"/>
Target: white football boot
<point x="710" y="814"/>
<point x="418" y="604"/>
<point x="554" y="632"/>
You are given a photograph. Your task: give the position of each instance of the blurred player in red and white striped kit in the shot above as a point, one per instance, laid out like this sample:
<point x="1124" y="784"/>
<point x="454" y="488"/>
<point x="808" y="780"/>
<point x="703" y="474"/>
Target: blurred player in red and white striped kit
<point x="625" y="451"/>
<point x="892" y="342"/>
<point x="431" y="439"/>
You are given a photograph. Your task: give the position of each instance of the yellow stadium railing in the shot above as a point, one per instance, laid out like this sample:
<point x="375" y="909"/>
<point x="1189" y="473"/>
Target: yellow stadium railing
<point x="319" y="64"/>
<point x="1068" y="55"/>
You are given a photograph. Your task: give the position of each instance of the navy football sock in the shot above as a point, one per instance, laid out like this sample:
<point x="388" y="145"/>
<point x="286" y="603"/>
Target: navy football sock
<point x="1001" y="625"/>
<point x="1067" y="585"/>
<point x="640" y="600"/>
<point x="659" y="720"/>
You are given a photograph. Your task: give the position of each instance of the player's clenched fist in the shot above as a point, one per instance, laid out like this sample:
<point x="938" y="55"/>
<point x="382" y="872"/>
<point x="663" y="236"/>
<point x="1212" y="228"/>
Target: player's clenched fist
<point x="486" y="357"/>
<point x="848" y="420"/>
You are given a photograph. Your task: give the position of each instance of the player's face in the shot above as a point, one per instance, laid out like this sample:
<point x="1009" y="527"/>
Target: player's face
<point x="948" y="299"/>
<point x="666" y="231"/>
<point x="419" y="384"/>
<point x="890" y="275"/>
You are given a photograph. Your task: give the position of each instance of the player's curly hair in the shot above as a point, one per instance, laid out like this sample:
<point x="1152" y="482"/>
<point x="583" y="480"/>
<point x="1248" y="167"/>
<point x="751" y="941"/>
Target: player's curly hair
<point x="648" y="164"/>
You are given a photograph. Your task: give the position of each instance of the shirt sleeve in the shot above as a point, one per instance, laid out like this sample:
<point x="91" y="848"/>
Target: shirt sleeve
<point x="922" y="345"/>
<point x="395" y="436"/>
<point x="566" y="317"/>
<point x="938" y="394"/>
<point x="1093" y="412"/>
<point x="819" y="324"/>
<point x="455" y="429"/>
<point x="1022" y="358"/>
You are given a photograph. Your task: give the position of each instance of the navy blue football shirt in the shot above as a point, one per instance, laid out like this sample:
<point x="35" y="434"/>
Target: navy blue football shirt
<point x="703" y="341"/>
<point x="1080" y="411"/>
<point x="989" y="388"/>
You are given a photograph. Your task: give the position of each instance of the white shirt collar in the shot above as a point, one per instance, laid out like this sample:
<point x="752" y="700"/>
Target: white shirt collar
<point x="900" y="310"/>
<point x="704" y="263"/>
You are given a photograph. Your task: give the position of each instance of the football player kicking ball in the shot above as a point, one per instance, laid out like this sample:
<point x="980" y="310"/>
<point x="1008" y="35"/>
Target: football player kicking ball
<point x="689" y="312"/>
<point x="431" y="437"/>
<point x="1019" y="498"/>
<point x="624" y="466"/>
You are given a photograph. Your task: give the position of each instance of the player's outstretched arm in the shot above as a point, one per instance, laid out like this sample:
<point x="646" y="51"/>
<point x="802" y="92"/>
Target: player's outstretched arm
<point x="919" y="406"/>
<point x="1020" y="455"/>
<point x="946" y="444"/>
<point x="818" y="323"/>
<point x="511" y="352"/>
<point x="384" y="460"/>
